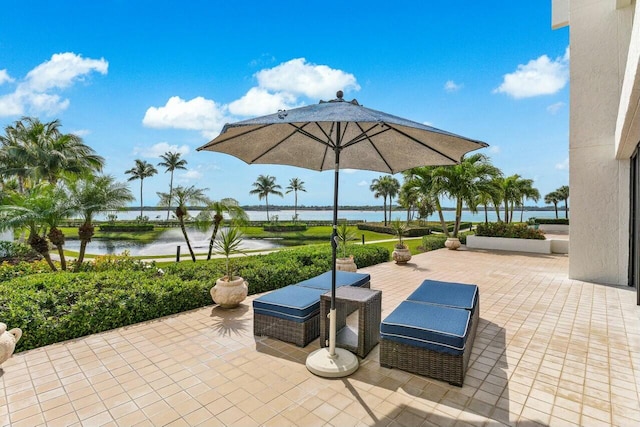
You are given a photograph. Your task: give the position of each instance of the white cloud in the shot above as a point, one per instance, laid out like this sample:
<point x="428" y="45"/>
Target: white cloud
<point x="427" y="124"/>
<point x="451" y="86"/>
<point x="554" y="108"/>
<point x="81" y="132"/>
<point x="34" y="92"/>
<point x="564" y="165"/>
<point x="363" y="184"/>
<point x="494" y="149"/>
<point x="156" y="150"/>
<point x="198" y="113"/>
<point x="299" y="77"/>
<point x="541" y="76"/>
<point x="190" y="175"/>
<point x="349" y="171"/>
<point x="258" y="102"/>
<point x="5" y="77"/>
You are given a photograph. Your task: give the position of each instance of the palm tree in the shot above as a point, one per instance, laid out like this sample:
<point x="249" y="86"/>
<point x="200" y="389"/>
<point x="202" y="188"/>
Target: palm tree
<point x="90" y="195"/>
<point x="295" y="185"/>
<point x="526" y="191"/>
<point x="33" y="210"/>
<point x="554" y="198"/>
<point x="463" y="182"/>
<point x="421" y="180"/>
<point x="183" y="196"/>
<point x="381" y="187"/>
<point x="392" y="186"/>
<point x="510" y="195"/>
<point x="408" y="198"/>
<point x="172" y="161"/>
<point x="214" y="213"/>
<point x="141" y="170"/>
<point x="265" y="185"/>
<point x="40" y="151"/>
<point x="563" y="195"/>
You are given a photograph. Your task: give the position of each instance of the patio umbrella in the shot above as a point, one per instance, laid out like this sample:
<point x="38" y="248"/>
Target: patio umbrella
<point x="332" y="135"/>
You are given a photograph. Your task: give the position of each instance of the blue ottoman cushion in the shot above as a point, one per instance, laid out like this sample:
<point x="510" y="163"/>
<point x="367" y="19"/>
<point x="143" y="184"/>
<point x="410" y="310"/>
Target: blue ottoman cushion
<point x="433" y="327"/>
<point x="449" y="294"/>
<point x="295" y="303"/>
<point x="343" y="278"/>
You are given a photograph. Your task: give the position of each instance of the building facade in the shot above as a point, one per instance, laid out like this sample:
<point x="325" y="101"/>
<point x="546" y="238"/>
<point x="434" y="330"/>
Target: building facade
<point x="604" y="174"/>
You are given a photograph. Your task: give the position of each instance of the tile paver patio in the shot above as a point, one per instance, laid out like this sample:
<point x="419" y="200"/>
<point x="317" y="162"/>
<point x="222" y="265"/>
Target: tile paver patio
<point x="549" y="351"/>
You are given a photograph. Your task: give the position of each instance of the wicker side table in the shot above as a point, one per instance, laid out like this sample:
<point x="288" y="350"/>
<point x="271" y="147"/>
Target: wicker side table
<point x="368" y="302"/>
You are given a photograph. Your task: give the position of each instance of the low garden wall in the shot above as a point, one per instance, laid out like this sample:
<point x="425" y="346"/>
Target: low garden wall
<point x="509" y="244"/>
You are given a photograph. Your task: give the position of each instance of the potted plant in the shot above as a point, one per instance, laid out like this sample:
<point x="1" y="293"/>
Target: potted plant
<point x="401" y="253"/>
<point x="345" y="263"/>
<point x="230" y="290"/>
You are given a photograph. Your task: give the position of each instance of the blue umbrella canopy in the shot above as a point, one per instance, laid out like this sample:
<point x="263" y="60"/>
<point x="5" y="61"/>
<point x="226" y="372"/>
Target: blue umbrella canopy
<point x="366" y="139"/>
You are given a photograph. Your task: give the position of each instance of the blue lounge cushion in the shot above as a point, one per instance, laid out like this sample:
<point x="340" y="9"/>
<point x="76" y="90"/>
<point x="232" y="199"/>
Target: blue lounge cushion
<point x="295" y="303"/>
<point x="435" y="327"/>
<point x="458" y="295"/>
<point x="343" y="278"/>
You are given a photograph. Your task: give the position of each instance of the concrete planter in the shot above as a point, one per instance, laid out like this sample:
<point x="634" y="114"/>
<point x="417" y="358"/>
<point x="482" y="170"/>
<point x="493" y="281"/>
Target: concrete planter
<point x="557" y="228"/>
<point x="229" y="293"/>
<point x="507" y="244"/>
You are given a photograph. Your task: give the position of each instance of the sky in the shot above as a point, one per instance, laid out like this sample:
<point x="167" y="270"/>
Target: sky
<point x="136" y="79"/>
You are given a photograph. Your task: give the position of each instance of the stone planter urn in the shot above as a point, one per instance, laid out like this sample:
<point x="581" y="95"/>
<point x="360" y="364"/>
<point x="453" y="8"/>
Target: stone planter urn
<point x="346" y="264"/>
<point x="401" y="255"/>
<point x="452" y="243"/>
<point x="8" y="340"/>
<point x="229" y="293"/>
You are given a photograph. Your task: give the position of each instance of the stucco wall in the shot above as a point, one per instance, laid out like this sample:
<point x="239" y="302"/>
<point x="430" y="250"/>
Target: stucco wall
<point x="599" y="40"/>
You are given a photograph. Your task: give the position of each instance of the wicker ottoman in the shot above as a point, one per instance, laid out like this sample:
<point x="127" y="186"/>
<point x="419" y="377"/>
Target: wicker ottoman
<point x="427" y="339"/>
<point x="289" y="314"/>
<point x="449" y="294"/>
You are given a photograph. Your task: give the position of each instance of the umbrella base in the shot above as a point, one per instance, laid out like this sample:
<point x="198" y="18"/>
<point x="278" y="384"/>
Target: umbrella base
<point x="342" y="364"/>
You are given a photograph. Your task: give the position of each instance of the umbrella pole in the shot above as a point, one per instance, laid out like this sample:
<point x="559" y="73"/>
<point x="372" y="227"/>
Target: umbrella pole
<point x="333" y="362"/>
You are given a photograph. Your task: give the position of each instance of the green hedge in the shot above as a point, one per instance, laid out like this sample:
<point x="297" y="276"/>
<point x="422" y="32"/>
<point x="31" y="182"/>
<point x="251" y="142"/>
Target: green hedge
<point x="280" y="228"/>
<point x="119" y="291"/>
<point x="561" y="221"/>
<point x="125" y="228"/>
<point x="409" y="232"/>
<point x="515" y="231"/>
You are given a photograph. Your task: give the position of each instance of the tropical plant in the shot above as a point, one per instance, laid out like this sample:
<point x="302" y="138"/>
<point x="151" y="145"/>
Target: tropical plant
<point x="30" y="210"/>
<point x="171" y="162"/>
<point x="141" y="170"/>
<point x="265" y="185"/>
<point x="408" y="198"/>
<point x="553" y="198"/>
<point x="344" y="234"/>
<point x="462" y="183"/>
<point x="229" y="242"/>
<point x="214" y="213"/>
<point x="295" y="185"/>
<point x="182" y="197"/>
<point x="89" y="195"/>
<point x="385" y="186"/>
<point x="526" y="191"/>
<point x="39" y="151"/>
<point x="399" y="228"/>
<point x="563" y="195"/>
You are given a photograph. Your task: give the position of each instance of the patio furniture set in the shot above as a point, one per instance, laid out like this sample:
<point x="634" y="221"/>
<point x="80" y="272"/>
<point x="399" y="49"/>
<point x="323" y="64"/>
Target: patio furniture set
<point x="431" y="333"/>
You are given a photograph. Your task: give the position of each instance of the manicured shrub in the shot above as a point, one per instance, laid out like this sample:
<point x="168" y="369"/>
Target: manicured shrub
<point x="118" y="290"/>
<point x="514" y="231"/>
<point x="561" y="221"/>
<point x="125" y="228"/>
<point x="411" y="231"/>
<point x="15" y="252"/>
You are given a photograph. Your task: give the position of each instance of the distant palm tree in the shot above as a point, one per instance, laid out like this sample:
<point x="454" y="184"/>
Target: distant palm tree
<point x="379" y="190"/>
<point x="172" y="161"/>
<point x="183" y="196"/>
<point x="554" y="198"/>
<point x="265" y="185"/>
<point x="563" y="195"/>
<point x="408" y="198"/>
<point x="141" y="170"/>
<point x="392" y="186"/>
<point x="295" y="185"/>
<point x="89" y="195"/>
<point x="526" y="191"/>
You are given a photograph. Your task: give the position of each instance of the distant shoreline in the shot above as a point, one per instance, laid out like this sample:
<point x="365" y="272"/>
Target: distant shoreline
<point x="275" y="208"/>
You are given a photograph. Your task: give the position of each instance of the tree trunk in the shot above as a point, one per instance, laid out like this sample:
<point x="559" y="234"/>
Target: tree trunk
<point x="445" y="230"/>
<point x="216" y="223"/>
<point x="85" y="233"/>
<point x="456" y="226"/>
<point x="295" y="207"/>
<point x="41" y="246"/>
<point x="141" y="204"/>
<point x="170" y="194"/>
<point x="521" y="211"/>
<point x="486" y="215"/>
<point x="57" y="238"/>
<point x="566" y="210"/>
<point x="266" y="200"/>
<point x="506" y="210"/>
<point x="497" y="209"/>
<point x="186" y="237"/>
<point x="555" y="205"/>
<point x="384" y="208"/>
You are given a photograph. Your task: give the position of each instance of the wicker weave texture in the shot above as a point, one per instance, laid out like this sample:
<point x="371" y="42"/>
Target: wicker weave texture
<point x="296" y="333"/>
<point x="421" y="361"/>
